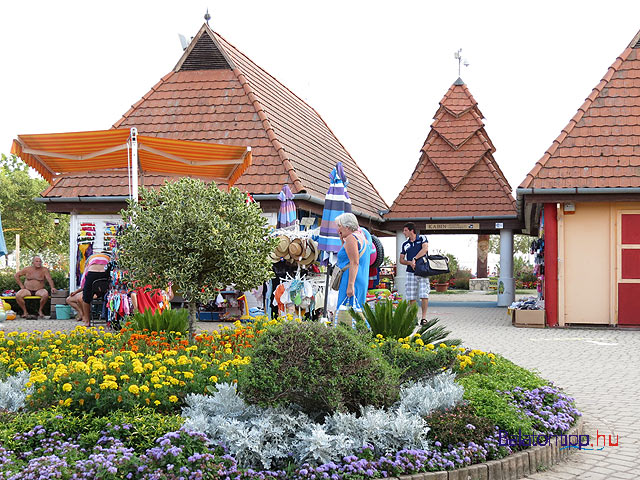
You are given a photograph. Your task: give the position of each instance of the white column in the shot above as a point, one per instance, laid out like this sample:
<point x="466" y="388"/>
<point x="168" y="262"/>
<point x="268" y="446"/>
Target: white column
<point x="401" y="270"/>
<point x="73" y="250"/>
<point x="134" y="162"/>
<point x="506" y="283"/>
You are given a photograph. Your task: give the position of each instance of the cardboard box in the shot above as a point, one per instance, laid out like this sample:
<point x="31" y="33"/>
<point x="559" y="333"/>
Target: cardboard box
<point x="529" y="318"/>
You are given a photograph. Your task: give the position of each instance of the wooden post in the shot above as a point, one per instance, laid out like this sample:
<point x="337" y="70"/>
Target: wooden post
<point x="17" y="251"/>
<point x="482" y="256"/>
<point x="551" y="263"/>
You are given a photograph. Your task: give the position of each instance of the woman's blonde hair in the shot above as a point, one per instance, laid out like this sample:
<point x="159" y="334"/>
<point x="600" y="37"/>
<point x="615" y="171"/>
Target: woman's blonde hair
<point x="348" y="220"/>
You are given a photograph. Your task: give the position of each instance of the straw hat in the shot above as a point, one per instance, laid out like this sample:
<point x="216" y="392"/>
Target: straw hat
<point x="282" y="248"/>
<point x="296" y="249"/>
<point x="310" y="253"/>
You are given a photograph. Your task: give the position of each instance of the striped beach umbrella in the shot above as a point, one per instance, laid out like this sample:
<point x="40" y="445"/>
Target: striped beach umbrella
<point x="336" y="202"/>
<point x="287" y="213"/>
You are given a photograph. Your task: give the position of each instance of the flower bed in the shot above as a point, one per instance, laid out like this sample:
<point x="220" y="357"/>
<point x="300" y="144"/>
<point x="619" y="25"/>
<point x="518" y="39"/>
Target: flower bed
<point x="90" y="404"/>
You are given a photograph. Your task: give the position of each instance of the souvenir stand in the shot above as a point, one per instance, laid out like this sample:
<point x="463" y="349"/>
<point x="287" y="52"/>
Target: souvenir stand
<point x="297" y="287"/>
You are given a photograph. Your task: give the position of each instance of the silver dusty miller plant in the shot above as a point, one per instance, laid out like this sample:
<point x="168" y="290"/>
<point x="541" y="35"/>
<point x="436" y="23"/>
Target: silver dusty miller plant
<point x="14" y="391"/>
<point x="271" y="437"/>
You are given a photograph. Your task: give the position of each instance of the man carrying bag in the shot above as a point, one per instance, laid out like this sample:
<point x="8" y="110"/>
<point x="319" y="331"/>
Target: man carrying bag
<point x="414" y="249"/>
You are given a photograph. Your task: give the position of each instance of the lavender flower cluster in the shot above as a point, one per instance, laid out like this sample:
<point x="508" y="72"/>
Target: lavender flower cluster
<point x="189" y="455"/>
<point x="550" y="410"/>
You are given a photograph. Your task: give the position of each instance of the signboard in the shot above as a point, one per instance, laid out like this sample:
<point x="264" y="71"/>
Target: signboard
<point x="453" y="226"/>
<point x="499" y="225"/>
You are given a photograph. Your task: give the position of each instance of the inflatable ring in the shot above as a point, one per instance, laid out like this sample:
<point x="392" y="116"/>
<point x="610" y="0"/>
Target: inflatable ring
<point x="380" y="252"/>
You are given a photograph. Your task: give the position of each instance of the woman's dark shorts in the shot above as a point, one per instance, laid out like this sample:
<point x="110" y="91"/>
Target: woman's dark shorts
<point x="87" y="290"/>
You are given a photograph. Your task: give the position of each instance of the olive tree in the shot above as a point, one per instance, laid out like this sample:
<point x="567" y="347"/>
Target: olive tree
<point x="196" y="236"/>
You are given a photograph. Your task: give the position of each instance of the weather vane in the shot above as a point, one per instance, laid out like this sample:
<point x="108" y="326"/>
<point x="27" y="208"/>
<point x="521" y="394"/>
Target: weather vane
<point x="207" y="17"/>
<point x="458" y="56"/>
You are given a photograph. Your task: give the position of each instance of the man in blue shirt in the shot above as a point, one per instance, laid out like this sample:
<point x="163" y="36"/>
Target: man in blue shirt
<point x="415" y="247"/>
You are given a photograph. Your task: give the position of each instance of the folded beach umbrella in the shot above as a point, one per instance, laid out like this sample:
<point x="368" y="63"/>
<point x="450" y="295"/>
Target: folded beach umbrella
<point x="287" y="214"/>
<point x="336" y="202"/>
<point x="3" y="245"/>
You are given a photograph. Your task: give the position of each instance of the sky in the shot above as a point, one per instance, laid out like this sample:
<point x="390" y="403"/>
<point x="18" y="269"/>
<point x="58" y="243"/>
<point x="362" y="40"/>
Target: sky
<point x="375" y="71"/>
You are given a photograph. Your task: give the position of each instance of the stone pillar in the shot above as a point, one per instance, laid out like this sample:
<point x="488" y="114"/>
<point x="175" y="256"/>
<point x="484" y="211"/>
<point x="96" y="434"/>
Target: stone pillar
<point x="401" y="270"/>
<point x="483" y="256"/>
<point x="506" y="283"/>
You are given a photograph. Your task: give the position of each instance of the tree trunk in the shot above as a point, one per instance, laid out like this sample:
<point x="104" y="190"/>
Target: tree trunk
<point x="192" y="320"/>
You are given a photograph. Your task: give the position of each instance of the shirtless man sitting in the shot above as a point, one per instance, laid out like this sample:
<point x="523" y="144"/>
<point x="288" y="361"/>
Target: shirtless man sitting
<point x="33" y="285"/>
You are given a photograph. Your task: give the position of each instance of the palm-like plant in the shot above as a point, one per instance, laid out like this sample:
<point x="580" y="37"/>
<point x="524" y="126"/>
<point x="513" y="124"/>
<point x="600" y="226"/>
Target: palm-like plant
<point x="430" y="333"/>
<point x="400" y="322"/>
<point x="383" y="319"/>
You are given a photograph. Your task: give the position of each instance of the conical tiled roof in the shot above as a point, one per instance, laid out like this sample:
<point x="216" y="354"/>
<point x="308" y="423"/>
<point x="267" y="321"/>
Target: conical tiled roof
<point x="217" y="94"/>
<point x="600" y="146"/>
<point x="457" y="175"/>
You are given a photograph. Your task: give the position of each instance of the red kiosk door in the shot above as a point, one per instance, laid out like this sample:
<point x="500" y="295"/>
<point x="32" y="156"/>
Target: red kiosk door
<point x="629" y="268"/>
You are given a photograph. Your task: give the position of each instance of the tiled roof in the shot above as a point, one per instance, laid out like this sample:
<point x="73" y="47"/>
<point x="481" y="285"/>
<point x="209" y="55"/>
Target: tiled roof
<point x="217" y="94"/>
<point x="456" y="175"/>
<point x="600" y="146"/>
<point x="112" y="183"/>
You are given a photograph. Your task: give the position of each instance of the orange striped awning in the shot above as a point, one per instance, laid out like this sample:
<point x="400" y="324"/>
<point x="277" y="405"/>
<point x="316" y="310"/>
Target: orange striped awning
<point x="52" y="154"/>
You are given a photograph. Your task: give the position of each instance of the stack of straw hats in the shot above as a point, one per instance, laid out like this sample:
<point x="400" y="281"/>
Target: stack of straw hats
<point x="298" y="250"/>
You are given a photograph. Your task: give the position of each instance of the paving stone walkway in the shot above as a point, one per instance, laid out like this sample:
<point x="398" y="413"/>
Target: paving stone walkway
<point x="599" y="367"/>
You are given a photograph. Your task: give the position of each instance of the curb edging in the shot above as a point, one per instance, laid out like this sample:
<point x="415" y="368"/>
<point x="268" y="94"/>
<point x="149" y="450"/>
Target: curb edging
<point x="513" y="467"/>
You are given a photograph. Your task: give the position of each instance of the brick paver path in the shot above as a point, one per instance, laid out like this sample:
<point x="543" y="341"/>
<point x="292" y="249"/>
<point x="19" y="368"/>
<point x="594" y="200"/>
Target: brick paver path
<point x="599" y="367"/>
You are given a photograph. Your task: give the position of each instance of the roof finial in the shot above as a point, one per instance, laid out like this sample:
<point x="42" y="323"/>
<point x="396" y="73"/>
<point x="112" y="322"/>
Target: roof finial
<point x="458" y="56"/>
<point x="207" y="17"/>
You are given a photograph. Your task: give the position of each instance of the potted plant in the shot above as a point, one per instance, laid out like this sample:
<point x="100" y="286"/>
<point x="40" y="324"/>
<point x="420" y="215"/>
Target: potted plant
<point x="441" y="282"/>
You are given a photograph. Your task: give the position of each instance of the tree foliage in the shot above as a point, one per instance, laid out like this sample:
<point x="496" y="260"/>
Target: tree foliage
<point x="21" y="215"/>
<point x="521" y="243"/>
<point x="198" y="237"/>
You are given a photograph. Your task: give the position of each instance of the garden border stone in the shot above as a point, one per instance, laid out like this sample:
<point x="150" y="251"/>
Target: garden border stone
<point x="514" y="466"/>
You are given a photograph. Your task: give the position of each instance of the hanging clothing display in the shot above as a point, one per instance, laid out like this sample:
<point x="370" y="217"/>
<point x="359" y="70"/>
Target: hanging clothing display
<point x="86" y="237"/>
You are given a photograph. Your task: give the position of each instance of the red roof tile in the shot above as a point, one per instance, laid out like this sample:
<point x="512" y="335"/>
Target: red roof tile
<point x="456" y="175"/>
<point x="600" y="144"/>
<point x="236" y="102"/>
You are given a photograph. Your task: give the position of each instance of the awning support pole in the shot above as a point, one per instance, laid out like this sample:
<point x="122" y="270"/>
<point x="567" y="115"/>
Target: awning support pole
<point x="134" y="162"/>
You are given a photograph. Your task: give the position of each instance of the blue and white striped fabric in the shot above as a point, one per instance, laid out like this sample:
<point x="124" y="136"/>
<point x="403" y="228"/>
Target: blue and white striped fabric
<point x="3" y="246"/>
<point x="287" y="214"/>
<point x="336" y="202"/>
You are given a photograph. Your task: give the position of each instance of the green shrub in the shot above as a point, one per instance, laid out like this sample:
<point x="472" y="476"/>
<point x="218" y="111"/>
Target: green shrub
<point x="483" y="392"/>
<point x="166" y="321"/>
<point x="390" y="322"/>
<point x="144" y="426"/>
<point x="320" y="369"/>
<point x="458" y="424"/>
<point x="414" y="365"/>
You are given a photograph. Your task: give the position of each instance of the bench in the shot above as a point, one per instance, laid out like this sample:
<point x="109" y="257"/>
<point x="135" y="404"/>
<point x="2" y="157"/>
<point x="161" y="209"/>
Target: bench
<point x="13" y="297"/>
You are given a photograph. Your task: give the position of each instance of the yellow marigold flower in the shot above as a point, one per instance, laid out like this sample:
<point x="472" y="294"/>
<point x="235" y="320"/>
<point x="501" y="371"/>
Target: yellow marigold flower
<point x="88" y="389"/>
<point x="173" y="399"/>
<point x="144" y="388"/>
<point x="157" y="385"/>
<point x="81" y="401"/>
<point x="147" y="401"/>
<point x="66" y="387"/>
<point x="134" y="389"/>
<point x="67" y="402"/>
<point x="92" y="381"/>
<point x="155" y="379"/>
<point x="157" y="402"/>
<point x="419" y="342"/>
<point x="124" y="377"/>
<point x="42" y="354"/>
<point x="138" y="369"/>
<point x="213" y="379"/>
<point x="187" y="374"/>
<point x="406" y="346"/>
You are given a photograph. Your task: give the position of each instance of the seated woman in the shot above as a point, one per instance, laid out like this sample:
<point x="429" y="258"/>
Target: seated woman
<point x="356" y="253"/>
